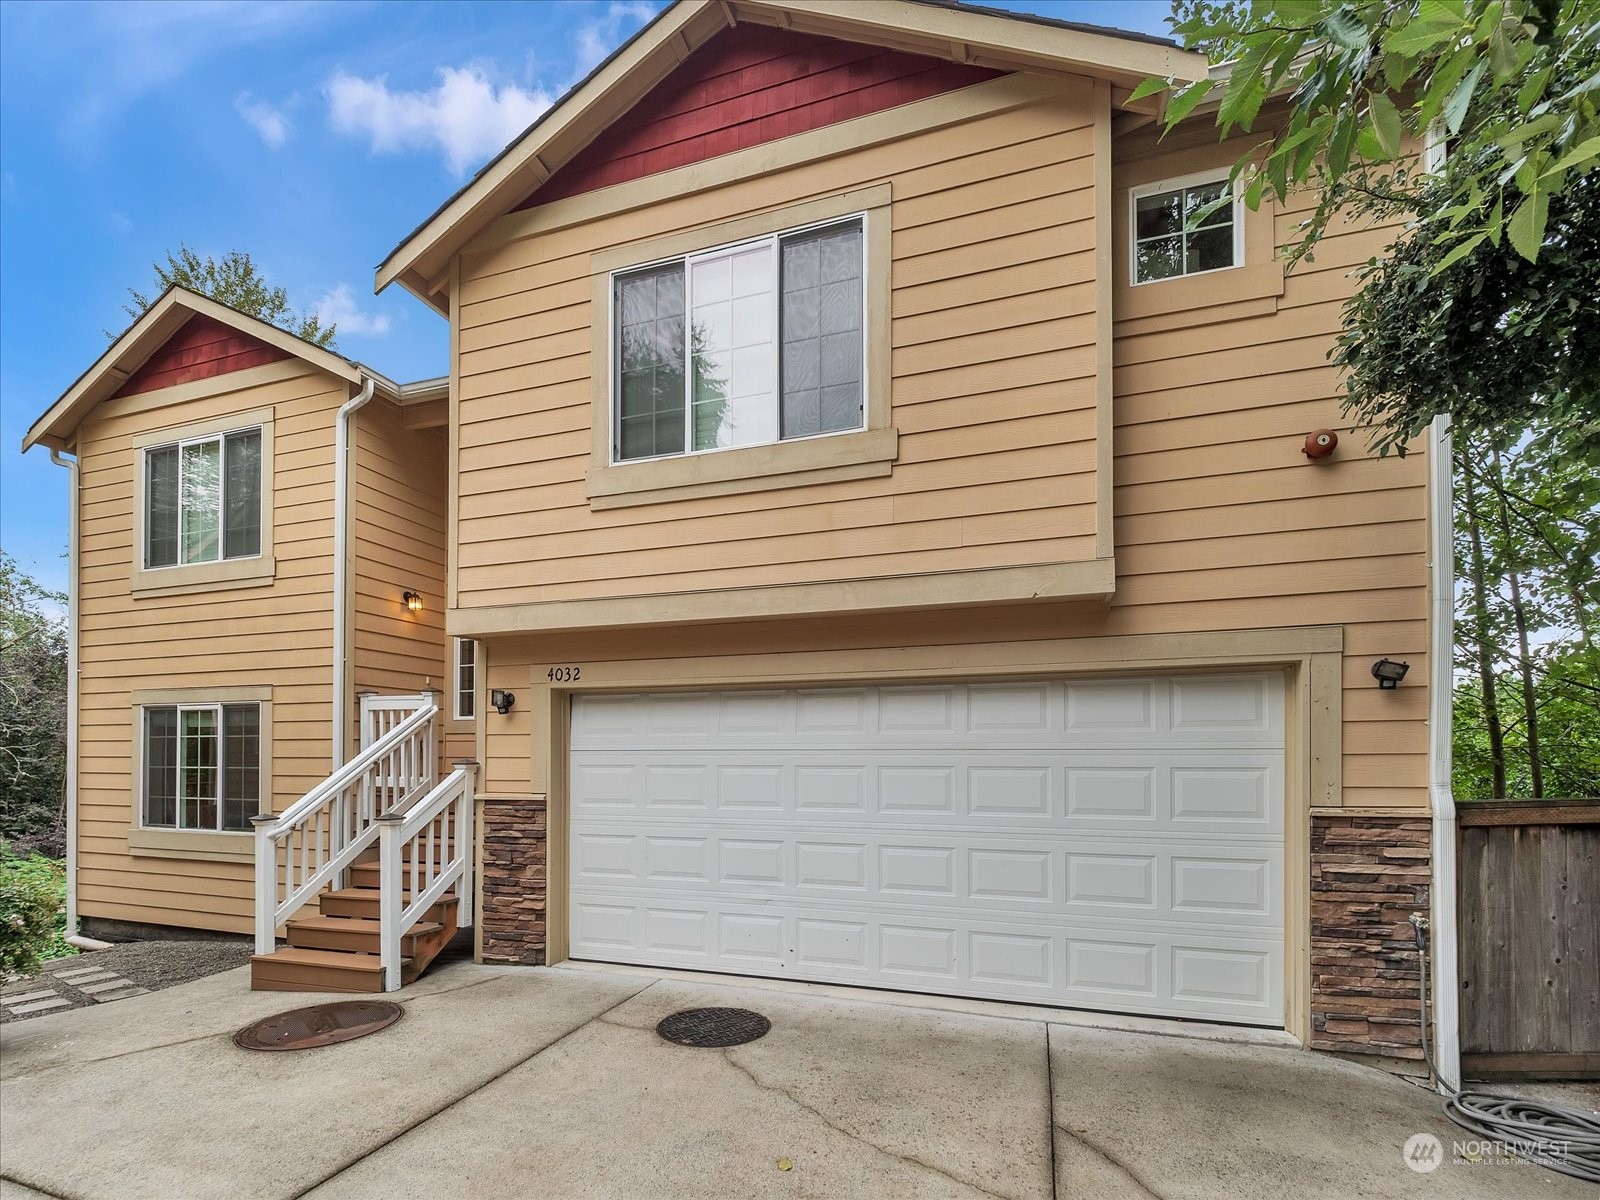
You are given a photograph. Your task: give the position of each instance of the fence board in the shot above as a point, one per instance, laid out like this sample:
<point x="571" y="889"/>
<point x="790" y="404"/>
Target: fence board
<point x="1530" y="937"/>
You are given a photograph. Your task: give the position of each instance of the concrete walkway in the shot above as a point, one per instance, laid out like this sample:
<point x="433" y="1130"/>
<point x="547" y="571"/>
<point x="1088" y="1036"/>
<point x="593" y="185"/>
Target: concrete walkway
<point x="506" y="1082"/>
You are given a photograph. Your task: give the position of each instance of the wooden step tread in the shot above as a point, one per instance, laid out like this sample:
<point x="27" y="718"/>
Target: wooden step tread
<point x="372" y="893"/>
<point x="343" y="959"/>
<point x="359" y="925"/>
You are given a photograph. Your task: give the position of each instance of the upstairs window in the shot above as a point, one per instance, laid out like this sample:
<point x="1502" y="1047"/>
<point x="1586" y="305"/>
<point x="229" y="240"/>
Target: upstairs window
<point x="743" y="345"/>
<point x="203" y="500"/>
<point x="1169" y="242"/>
<point x="202" y="766"/>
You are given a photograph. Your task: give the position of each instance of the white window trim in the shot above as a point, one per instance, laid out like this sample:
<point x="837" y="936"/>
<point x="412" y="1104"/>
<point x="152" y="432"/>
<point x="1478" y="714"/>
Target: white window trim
<point x="253" y="571"/>
<point x="218" y="845"/>
<point x="773" y="240"/>
<point x="455" y="679"/>
<point x="1195" y="179"/>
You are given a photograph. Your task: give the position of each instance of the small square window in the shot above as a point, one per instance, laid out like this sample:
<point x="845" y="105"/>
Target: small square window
<point x="1186" y="227"/>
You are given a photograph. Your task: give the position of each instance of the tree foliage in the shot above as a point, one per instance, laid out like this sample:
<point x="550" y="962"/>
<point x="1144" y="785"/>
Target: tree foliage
<point x="1527" y="699"/>
<point x="233" y="280"/>
<point x="33" y="710"/>
<point x="1495" y="254"/>
<point x="1495" y="340"/>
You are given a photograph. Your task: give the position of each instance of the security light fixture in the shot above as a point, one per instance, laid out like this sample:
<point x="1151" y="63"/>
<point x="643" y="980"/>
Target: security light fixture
<point x="502" y="700"/>
<point x="1389" y="673"/>
<point x="413" y="601"/>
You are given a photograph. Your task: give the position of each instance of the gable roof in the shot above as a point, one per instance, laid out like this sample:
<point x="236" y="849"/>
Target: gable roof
<point x="151" y="331"/>
<point x="939" y="28"/>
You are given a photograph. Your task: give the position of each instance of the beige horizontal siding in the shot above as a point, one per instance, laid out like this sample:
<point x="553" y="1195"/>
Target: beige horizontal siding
<point x="278" y="634"/>
<point x="1220" y="522"/>
<point x="1001" y="392"/>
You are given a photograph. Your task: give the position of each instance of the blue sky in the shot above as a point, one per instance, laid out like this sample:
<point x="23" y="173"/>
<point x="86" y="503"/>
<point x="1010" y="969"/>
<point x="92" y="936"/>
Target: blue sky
<point x="312" y="135"/>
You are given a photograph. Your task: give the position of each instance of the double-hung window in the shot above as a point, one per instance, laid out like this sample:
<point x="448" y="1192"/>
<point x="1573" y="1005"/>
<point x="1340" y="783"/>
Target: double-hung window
<point x="203" y="499"/>
<point x="201" y="766"/>
<point x="743" y="345"/>
<point x="1185" y="227"/>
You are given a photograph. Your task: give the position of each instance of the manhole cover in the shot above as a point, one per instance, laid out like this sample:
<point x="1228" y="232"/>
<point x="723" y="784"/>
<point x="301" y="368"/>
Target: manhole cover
<point x="319" y="1025"/>
<point x="714" y="1027"/>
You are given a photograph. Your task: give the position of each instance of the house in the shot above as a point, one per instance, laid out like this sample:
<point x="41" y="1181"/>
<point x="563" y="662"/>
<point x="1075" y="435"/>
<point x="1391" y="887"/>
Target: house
<point x="875" y="541"/>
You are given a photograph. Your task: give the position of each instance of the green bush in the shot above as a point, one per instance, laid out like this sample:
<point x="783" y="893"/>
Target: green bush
<point x="32" y="912"/>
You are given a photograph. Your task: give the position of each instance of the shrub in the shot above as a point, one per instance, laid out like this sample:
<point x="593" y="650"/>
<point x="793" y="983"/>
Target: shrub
<point x="32" y="912"/>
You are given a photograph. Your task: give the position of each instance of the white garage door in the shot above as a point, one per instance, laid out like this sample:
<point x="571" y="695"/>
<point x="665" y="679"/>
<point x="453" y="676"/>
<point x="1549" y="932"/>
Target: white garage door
<point x="1100" y="844"/>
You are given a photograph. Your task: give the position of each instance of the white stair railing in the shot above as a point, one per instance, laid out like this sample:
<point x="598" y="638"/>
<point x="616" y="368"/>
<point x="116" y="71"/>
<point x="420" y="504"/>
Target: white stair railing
<point x="316" y="839"/>
<point x="424" y="850"/>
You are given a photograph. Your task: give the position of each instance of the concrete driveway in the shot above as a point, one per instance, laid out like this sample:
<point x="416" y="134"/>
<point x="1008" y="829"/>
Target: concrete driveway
<point x="516" y="1083"/>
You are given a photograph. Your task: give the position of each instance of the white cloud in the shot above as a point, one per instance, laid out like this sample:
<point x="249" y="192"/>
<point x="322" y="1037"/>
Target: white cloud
<point x="266" y="120"/>
<point x="121" y="222"/>
<point x="598" y="38"/>
<point x="338" y="307"/>
<point x="467" y="116"/>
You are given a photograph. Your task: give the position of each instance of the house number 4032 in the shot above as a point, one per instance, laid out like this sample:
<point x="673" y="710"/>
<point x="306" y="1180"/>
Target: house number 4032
<point x="564" y="674"/>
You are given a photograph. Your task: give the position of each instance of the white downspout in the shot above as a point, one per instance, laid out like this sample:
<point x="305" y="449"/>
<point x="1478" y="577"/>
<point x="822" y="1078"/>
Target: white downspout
<point x="1441" y="660"/>
<point x="1443" y="942"/>
<point x="341" y="523"/>
<point x="71" y="464"/>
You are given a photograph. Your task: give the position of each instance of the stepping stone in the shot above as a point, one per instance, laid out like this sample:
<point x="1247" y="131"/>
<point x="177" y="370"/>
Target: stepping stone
<point x="98" y="977"/>
<point x="106" y="985"/>
<point x="120" y="994"/>
<point x="27" y="996"/>
<point x="39" y="1006"/>
<point x="76" y="971"/>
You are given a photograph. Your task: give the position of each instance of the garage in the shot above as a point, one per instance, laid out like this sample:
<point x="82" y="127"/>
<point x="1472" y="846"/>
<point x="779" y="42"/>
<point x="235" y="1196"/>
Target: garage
<point x="1109" y="843"/>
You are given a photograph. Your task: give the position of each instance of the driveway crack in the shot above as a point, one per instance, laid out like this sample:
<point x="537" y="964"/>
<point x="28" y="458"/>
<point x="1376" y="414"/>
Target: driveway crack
<point x="907" y="1159"/>
<point x="1109" y="1158"/>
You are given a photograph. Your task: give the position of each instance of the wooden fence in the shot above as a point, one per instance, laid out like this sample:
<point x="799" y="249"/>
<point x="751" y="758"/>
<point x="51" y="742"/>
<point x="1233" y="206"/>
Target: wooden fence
<point x="1530" y="938"/>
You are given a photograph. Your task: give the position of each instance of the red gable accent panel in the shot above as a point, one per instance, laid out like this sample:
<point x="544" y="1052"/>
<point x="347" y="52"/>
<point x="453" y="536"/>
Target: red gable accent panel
<point x="201" y="349"/>
<point x="749" y="85"/>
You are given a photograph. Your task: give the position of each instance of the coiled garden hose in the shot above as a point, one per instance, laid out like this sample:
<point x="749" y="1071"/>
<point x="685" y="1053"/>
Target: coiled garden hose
<point x="1553" y="1135"/>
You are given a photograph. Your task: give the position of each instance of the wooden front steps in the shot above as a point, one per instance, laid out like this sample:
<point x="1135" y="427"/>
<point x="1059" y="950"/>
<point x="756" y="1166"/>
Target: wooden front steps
<point x="338" y="950"/>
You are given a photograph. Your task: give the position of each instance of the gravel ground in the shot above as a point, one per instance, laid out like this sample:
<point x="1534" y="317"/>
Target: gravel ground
<point x="147" y="965"/>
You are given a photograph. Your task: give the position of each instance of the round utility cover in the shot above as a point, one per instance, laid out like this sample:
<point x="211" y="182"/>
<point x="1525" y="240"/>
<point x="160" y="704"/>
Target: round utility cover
<point x="713" y="1027"/>
<point x="319" y="1025"/>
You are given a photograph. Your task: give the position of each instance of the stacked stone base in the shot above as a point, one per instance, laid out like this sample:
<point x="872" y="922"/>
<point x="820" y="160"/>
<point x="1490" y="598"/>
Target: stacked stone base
<point x="1368" y="875"/>
<point x="513" y="878"/>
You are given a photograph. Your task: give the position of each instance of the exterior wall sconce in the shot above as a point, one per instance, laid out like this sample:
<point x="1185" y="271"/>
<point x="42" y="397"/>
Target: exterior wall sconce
<point x="1389" y="673"/>
<point x="412" y="601"/>
<point x="502" y="700"/>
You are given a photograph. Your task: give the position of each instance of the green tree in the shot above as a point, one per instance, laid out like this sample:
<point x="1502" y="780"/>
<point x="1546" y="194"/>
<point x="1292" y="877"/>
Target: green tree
<point x="233" y="280"/>
<point x="33" y="711"/>
<point x="1527" y="699"/>
<point x="1344" y="94"/>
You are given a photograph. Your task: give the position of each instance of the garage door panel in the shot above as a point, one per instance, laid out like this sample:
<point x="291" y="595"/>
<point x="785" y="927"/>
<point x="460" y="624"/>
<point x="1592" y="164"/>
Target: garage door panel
<point x="1176" y="881"/>
<point x="1202" y="711"/>
<point x="1109" y="843"/>
<point x="1194" y="790"/>
<point x="1203" y="973"/>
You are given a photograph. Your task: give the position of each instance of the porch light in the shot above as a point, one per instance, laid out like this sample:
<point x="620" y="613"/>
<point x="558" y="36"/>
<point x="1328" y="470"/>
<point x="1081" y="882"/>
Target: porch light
<point x="502" y="700"/>
<point x="1389" y="673"/>
<point x="412" y="600"/>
